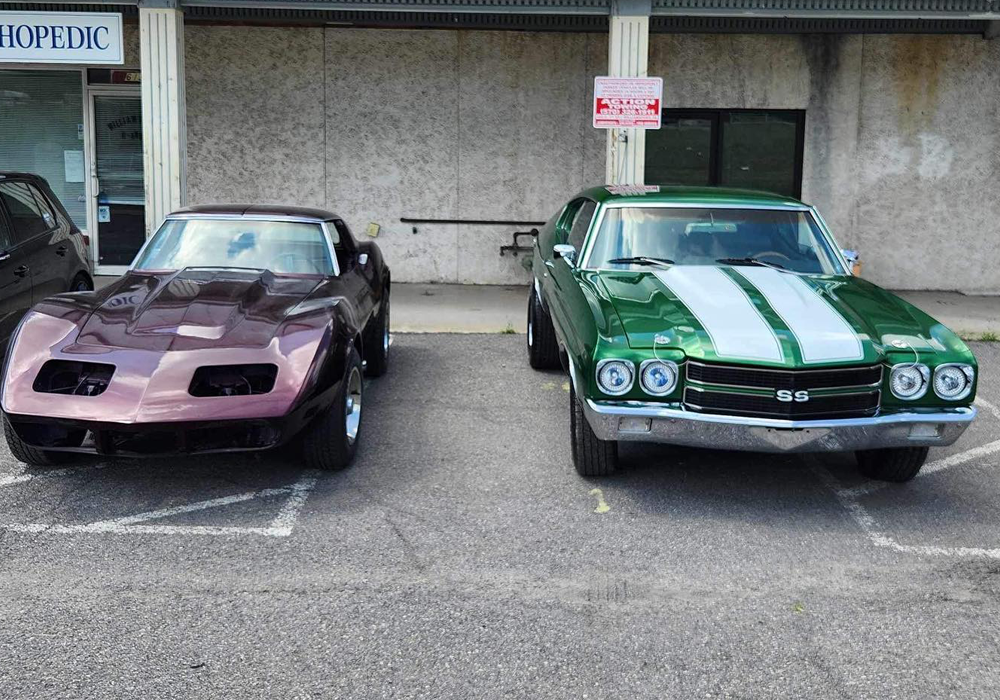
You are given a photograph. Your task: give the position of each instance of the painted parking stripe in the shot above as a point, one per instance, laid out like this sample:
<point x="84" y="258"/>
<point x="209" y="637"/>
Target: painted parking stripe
<point x="724" y="310"/>
<point x="822" y="333"/>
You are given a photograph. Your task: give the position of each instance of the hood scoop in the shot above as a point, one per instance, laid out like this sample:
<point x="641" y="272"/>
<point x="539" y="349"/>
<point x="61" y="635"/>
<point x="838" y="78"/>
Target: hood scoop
<point x="195" y="308"/>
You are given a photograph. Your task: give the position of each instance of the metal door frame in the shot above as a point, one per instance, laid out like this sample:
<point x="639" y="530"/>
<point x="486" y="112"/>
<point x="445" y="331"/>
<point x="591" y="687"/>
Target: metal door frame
<point x="92" y="182"/>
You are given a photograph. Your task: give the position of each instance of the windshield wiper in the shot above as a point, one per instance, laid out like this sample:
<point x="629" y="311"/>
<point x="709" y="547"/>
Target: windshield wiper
<point x="752" y="261"/>
<point x="642" y="260"/>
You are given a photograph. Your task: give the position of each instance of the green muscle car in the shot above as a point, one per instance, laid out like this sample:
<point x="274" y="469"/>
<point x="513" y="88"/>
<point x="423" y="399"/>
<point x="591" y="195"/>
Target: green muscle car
<point x="729" y="319"/>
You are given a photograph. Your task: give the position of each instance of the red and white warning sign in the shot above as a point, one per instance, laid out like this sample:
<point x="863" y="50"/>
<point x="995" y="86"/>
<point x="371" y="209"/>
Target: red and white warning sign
<point x="626" y="103"/>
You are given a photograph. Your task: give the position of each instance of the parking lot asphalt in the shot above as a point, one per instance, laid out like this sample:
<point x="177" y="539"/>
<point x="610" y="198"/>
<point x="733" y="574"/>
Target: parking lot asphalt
<point x="461" y="556"/>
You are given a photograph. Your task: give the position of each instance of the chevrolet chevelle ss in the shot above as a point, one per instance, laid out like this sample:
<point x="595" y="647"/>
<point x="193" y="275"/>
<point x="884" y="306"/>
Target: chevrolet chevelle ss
<point x="729" y="319"/>
<point x="236" y="328"/>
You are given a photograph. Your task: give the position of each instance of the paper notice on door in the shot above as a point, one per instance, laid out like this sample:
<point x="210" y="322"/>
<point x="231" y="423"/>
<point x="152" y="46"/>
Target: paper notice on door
<point x="73" y="162"/>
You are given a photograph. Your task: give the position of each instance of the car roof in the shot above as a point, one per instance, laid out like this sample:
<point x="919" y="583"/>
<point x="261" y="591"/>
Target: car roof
<point x="21" y="176"/>
<point x="277" y="210"/>
<point x="707" y="196"/>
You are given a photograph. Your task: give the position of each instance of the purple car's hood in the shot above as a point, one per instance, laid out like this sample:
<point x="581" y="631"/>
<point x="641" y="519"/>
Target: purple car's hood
<point x="192" y="309"/>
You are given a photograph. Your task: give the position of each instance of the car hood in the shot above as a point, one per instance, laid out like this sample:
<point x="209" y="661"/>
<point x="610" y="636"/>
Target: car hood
<point x="193" y="309"/>
<point x="764" y="316"/>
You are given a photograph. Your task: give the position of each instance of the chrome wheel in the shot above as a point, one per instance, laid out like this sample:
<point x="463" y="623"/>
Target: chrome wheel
<point x="352" y="405"/>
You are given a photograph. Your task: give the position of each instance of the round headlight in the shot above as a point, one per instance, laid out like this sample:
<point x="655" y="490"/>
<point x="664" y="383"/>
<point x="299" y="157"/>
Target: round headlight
<point x="909" y="382"/>
<point x="658" y="377"/>
<point x="953" y="382"/>
<point x="615" y="377"/>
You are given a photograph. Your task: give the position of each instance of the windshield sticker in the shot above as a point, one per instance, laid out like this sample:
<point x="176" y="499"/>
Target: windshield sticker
<point x="822" y="333"/>
<point x="733" y="323"/>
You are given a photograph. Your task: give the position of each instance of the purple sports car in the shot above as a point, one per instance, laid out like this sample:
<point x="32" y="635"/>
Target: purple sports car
<point x="236" y="328"/>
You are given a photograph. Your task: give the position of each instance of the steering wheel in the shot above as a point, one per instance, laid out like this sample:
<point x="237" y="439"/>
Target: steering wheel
<point x="288" y="262"/>
<point x="773" y="253"/>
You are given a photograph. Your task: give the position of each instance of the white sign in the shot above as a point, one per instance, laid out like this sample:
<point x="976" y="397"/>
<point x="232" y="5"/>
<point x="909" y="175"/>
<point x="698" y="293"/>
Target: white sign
<point x="627" y="103"/>
<point x="61" y="37"/>
<point x="73" y="162"/>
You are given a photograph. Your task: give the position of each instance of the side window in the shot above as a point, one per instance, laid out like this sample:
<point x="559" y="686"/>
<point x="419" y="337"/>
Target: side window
<point x="343" y="244"/>
<point x="566" y="218"/>
<point x="581" y="223"/>
<point x="27" y="216"/>
<point x="5" y="238"/>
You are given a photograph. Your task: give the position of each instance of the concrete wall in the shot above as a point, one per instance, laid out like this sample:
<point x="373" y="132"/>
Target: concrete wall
<point x="378" y="125"/>
<point x="901" y="145"/>
<point x="902" y="139"/>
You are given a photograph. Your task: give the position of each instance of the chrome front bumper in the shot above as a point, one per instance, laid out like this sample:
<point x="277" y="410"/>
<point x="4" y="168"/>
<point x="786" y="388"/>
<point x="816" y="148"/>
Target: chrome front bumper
<point x="645" y="422"/>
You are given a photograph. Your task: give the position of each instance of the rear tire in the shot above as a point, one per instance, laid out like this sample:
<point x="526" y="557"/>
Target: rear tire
<point x="330" y="442"/>
<point x="543" y="348"/>
<point x="591" y="455"/>
<point x="23" y="452"/>
<point x="896" y="464"/>
<point x="81" y="283"/>
<point x="377" y="358"/>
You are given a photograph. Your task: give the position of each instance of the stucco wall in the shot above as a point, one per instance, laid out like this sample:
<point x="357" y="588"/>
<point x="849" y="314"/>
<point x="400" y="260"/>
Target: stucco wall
<point x="901" y="134"/>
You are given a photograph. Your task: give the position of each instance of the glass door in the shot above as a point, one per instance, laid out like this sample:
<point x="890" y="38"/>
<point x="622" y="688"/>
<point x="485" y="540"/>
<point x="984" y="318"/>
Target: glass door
<point x="118" y="180"/>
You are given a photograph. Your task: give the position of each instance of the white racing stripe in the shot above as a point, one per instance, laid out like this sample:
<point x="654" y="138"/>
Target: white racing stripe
<point x="725" y="311"/>
<point x="822" y="333"/>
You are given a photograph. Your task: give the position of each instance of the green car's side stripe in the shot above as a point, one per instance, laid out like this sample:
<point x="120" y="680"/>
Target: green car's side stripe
<point x="732" y="321"/>
<point x="822" y="333"/>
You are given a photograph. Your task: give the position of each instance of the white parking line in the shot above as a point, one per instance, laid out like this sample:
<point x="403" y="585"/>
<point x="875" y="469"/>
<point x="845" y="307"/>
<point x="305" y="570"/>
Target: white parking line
<point x="281" y="526"/>
<point x="850" y="499"/>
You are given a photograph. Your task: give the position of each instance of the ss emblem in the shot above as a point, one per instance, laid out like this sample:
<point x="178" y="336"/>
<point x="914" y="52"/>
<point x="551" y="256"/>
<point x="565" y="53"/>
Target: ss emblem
<point x="787" y="396"/>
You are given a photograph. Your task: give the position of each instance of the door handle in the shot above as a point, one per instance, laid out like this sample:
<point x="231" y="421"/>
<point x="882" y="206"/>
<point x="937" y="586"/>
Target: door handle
<point x="549" y="264"/>
<point x="4" y="256"/>
<point x="61" y="250"/>
<point x="21" y="270"/>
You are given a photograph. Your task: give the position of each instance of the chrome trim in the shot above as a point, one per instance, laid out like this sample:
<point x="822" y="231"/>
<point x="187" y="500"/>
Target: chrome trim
<point x="673" y="425"/>
<point x="597" y="376"/>
<point x="665" y="363"/>
<point x="925" y="372"/>
<point x="970" y="376"/>
<point x="324" y="226"/>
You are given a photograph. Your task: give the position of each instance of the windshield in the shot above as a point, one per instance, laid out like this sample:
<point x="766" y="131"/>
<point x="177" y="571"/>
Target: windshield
<point x="283" y="247"/>
<point x="707" y="236"/>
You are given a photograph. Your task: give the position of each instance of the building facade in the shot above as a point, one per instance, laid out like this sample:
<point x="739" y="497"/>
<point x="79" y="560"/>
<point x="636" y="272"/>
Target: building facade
<point x="446" y="126"/>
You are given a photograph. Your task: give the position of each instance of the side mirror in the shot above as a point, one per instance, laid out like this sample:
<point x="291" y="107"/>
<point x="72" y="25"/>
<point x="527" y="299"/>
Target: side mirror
<point x="565" y="251"/>
<point x="362" y="259"/>
<point x="853" y="261"/>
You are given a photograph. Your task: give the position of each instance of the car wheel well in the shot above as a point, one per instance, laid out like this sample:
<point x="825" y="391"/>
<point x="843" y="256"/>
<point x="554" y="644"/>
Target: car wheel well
<point x="84" y="276"/>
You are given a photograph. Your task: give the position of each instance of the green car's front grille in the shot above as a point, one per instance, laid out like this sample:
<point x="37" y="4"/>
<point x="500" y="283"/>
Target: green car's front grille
<point x="793" y="380"/>
<point x="825" y="406"/>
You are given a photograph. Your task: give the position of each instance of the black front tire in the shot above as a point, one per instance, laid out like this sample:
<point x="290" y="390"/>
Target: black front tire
<point x="543" y="348"/>
<point x="377" y="344"/>
<point x="896" y="464"/>
<point x="591" y="455"/>
<point x="326" y="443"/>
<point x="23" y="452"/>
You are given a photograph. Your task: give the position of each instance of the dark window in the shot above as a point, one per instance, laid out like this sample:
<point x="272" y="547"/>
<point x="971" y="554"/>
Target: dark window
<point x="754" y="149"/>
<point x="29" y="216"/>
<point x="5" y="238"/>
<point x="578" y="231"/>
